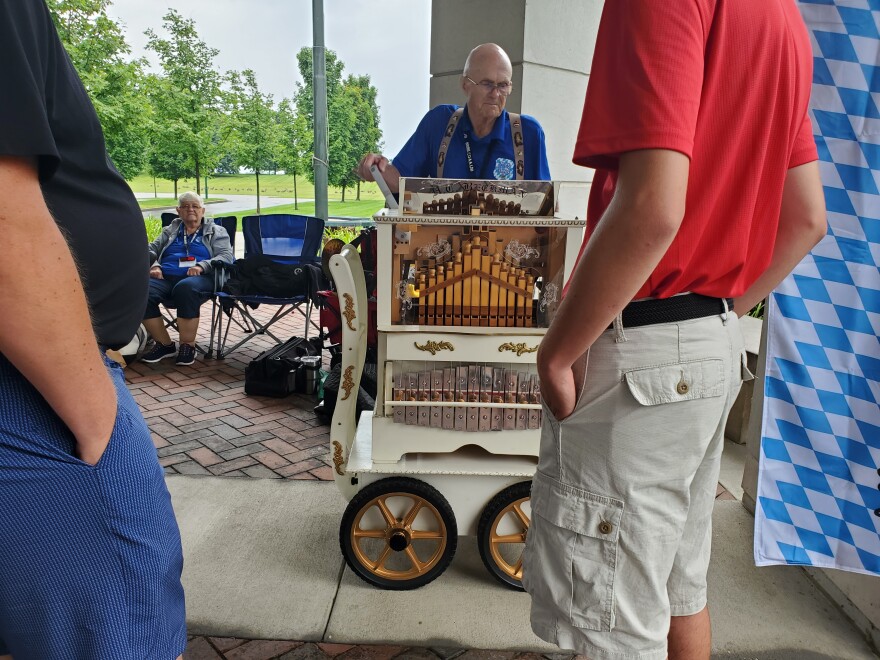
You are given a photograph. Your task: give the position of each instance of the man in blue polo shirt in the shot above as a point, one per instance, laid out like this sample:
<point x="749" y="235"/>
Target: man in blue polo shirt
<point x="479" y="141"/>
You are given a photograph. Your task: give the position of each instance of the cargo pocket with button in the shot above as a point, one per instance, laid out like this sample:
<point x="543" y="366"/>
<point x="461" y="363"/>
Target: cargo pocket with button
<point x="683" y="381"/>
<point x="572" y="559"/>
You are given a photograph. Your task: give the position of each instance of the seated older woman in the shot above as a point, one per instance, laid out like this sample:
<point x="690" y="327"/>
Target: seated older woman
<point x="181" y="275"/>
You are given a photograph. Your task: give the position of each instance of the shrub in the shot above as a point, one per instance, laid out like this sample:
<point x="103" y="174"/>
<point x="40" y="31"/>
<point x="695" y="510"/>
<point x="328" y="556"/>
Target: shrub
<point x="344" y="234"/>
<point x="154" y="227"/>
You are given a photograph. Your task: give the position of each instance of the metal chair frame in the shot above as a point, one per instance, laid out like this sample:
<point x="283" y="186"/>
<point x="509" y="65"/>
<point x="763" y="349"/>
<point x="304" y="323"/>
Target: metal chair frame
<point x="297" y="238"/>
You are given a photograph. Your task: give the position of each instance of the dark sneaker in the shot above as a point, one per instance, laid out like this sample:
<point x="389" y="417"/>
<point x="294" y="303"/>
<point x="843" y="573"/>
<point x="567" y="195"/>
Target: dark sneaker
<point x="159" y="352"/>
<point x="186" y="355"/>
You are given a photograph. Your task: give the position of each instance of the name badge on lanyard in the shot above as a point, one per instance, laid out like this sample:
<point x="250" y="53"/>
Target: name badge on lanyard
<point x="188" y="261"/>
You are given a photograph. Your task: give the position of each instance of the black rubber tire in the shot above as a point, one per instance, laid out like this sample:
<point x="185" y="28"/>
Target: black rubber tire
<point x="487" y="524"/>
<point x="399" y="487"/>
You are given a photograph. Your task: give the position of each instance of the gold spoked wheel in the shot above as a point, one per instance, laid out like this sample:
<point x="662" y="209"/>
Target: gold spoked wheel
<point x="501" y="533"/>
<point x="398" y="533"/>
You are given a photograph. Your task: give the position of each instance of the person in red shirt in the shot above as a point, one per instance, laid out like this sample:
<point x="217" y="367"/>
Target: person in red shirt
<point x="706" y="195"/>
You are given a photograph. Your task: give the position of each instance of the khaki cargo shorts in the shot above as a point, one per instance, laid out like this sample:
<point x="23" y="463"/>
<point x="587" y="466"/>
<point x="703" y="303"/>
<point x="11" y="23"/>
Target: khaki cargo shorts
<point x="622" y="500"/>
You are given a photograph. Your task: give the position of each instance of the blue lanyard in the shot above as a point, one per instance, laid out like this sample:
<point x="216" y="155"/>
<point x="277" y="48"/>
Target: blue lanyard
<point x="470" y="157"/>
<point x="183" y="237"/>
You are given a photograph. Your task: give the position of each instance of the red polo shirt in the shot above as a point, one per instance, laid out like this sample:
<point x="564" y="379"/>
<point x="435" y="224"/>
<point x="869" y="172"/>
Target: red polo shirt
<point x="725" y="83"/>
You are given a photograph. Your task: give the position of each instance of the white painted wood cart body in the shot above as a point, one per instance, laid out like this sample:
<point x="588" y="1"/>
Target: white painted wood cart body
<point x="481" y="477"/>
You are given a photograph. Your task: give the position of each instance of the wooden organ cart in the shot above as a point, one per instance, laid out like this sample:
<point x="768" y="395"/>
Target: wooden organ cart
<point x="469" y="277"/>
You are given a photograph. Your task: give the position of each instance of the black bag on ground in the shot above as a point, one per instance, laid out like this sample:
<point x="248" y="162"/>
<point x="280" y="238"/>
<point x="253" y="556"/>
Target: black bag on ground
<point x="274" y="372"/>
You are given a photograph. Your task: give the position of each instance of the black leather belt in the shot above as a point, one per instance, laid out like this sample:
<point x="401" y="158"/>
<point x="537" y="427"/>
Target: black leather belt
<point x="670" y="310"/>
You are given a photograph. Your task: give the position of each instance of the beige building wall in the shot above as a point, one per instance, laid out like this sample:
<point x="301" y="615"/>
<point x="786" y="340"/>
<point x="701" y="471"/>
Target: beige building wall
<point x="550" y="43"/>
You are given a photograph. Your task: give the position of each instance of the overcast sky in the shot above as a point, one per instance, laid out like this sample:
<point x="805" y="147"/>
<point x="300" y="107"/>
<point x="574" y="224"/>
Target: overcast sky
<point x="387" y="39"/>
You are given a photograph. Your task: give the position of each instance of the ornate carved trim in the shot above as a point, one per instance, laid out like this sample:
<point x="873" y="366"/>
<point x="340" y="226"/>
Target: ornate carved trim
<point x="349" y="313"/>
<point x="517" y="252"/>
<point x="348" y="382"/>
<point x="337" y="458"/>
<point x="433" y="347"/>
<point x="519" y="349"/>
<point x="550" y="296"/>
<point x="441" y="251"/>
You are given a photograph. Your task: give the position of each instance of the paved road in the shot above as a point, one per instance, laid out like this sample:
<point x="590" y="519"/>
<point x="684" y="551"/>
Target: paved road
<point x="233" y="203"/>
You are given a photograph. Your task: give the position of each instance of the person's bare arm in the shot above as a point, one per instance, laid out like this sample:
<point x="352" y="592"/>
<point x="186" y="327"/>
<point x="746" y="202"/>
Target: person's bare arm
<point x="631" y="238"/>
<point x="802" y="224"/>
<point x="390" y="173"/>
<point x="48" y="314"/>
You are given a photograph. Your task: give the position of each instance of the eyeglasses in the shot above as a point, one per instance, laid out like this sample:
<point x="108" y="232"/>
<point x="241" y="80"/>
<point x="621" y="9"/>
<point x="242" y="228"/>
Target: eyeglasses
<point x="488" y="86"/>
<point x="189" y="207"/>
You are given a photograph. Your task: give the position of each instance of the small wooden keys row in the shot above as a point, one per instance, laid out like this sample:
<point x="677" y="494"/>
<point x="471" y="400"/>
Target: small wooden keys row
<point x="468" y="398"/>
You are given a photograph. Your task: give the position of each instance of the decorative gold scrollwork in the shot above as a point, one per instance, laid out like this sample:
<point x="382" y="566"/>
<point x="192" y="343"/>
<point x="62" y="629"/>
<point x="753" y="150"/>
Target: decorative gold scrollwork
<point x="349" y="310"/>
<point x="347" y="382"/>
<point x="434" y="346"/>
<point x="337" y="458"/>
<point x="519" y="349"/>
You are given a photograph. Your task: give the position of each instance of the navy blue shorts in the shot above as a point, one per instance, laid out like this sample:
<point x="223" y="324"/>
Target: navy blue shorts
<point x="185" y="293"/>
<point x="90" y="556"/>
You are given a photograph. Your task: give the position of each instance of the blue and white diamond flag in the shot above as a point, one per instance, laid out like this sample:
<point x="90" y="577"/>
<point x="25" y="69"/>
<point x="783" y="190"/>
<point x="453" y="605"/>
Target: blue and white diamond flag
<point x="818" y="496"/>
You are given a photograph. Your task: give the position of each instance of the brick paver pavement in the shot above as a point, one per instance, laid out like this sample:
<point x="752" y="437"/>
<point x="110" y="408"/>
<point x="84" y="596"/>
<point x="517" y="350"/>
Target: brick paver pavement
<point x="202" y="422"/>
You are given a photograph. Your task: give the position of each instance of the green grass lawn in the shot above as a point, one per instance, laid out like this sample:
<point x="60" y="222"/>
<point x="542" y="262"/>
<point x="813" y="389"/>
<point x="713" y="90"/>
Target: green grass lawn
<point x="165" y="202"/>
<point x="361" y="209"/>
<point x="272" y="185"/>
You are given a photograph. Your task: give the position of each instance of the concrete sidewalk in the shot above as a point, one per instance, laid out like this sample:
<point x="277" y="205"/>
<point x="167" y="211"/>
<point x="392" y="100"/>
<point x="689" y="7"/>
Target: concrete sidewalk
<point x="263" y="559"/>
<point x="263" y="562"/>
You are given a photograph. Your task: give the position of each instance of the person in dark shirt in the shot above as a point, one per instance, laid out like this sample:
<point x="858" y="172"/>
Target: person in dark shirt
<point x="91" y="556"/>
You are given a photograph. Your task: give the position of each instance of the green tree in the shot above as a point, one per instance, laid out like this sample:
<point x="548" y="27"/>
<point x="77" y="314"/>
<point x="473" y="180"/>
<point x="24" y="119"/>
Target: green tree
<point x="341" y="125"/>
<point x="252" y="119"/>
<point x="165" y="157"/>
<point x="294" y="144"/>
<point x="304" y="97"/>
<point x="189" y="102"/>
<point x="165" y="160"/>
<point x="352" y="117"/>
<point x="364" y="133"/>
<point x="226" y="164"/>
<point x="100" y="54"/>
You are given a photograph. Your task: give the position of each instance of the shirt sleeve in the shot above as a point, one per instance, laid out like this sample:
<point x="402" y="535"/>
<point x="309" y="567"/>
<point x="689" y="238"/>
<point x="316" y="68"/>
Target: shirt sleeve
<point x="804" y="149"/>
<point x="645" y="81"/>
<point x="25" y="128"/>
<point x="417" y="158"/>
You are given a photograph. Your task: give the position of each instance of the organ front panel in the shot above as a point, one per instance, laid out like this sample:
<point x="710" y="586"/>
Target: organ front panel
<point x="467" y="285"/>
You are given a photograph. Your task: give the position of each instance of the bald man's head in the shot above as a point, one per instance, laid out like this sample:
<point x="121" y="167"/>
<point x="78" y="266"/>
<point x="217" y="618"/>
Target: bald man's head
<point x="486" y="81"/>
<point x="487" y="56"/>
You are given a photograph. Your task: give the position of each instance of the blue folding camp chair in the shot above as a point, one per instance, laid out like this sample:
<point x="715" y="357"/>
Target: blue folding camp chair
<point x="286" y="239"/>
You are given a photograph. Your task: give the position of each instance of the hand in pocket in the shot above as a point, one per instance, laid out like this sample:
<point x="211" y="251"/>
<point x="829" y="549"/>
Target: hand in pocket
<point x="559" y="393"/>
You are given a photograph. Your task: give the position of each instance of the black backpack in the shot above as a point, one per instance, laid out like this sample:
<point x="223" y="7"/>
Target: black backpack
<point x="260" y="275"/>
